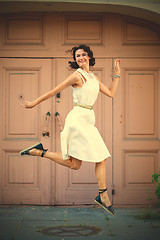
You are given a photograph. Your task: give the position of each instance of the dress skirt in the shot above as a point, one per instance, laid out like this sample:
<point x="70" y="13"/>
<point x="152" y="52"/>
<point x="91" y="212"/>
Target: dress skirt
<point x="81" y="139"/>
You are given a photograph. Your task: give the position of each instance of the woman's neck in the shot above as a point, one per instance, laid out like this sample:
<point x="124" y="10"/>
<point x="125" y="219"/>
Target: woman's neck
<point x="86" y="69"/>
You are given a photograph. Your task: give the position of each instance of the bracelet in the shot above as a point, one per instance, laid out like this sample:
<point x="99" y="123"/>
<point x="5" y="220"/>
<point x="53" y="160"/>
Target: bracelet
<point x="116" y="76"/>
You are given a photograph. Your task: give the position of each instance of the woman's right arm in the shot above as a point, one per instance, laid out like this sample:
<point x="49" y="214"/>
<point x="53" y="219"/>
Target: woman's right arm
<point x="69" y="81"/>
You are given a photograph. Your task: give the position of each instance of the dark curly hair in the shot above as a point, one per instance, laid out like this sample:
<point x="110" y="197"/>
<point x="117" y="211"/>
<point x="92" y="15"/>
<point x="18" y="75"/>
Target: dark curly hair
<point x="86" y="49"/>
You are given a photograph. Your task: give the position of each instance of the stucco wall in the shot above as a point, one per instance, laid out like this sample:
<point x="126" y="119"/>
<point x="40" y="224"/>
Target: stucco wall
<point x="145" y="9"/>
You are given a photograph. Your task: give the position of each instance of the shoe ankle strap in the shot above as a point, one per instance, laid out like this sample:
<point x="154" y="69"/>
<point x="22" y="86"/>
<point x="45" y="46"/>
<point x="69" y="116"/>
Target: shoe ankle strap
<point x="44" y="150"/>
<point x="102" y="190"/>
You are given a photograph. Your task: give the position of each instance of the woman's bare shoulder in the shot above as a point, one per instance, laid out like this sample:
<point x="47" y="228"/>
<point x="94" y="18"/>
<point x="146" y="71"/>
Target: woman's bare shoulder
<point x="76" y="75"/>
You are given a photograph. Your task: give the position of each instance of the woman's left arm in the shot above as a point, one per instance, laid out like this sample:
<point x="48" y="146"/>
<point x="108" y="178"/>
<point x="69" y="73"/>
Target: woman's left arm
<point x="110" y="92"/>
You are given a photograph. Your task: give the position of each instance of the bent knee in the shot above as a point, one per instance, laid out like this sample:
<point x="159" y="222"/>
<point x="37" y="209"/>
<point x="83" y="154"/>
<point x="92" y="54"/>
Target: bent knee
<point x="76" y="164"/>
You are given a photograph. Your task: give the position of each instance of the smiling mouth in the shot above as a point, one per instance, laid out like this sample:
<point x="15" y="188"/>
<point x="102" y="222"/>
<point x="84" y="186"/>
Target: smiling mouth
<point x="82" y="61"/>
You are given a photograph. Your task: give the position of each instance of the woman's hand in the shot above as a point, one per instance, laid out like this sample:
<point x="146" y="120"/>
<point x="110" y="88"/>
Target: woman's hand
<point x="117" y="66"/>
<point x="28" y="105"/>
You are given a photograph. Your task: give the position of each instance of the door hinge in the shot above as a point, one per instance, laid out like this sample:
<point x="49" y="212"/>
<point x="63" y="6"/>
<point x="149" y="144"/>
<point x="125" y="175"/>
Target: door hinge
<point x="113" y="191"/>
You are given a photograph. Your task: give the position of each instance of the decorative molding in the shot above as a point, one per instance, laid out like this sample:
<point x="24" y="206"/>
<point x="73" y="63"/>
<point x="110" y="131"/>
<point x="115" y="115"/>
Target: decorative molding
<point x="139" y="32"/>
<point x="85" y="29"/>
<point x="15" y="115"/>
<point x="19" y="172"/>
<point x="23" y="32"/>
<point x="142" y="175"/>
<point x="140" y="104"/>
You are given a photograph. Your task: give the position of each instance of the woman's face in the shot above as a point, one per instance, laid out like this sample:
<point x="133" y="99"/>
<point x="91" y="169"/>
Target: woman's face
<point x="82" y="58"/>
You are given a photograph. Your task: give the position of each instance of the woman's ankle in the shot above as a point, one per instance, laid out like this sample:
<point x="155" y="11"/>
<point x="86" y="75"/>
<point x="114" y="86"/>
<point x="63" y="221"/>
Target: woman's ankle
<point x="105" y="199"/>
<point x="35" y="152"/>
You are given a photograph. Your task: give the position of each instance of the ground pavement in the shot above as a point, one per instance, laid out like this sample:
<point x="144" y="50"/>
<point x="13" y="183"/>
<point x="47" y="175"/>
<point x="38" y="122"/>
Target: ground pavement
<point x="70" y="223"/>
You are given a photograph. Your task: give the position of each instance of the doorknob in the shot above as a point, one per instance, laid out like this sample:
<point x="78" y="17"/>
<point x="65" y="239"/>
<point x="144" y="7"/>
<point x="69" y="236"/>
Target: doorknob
<point x="58" y="97"/>
<point x="45" y="132"/>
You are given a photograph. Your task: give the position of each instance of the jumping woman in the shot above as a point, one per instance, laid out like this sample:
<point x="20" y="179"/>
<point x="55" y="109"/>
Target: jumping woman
<point x="80" y="139"/>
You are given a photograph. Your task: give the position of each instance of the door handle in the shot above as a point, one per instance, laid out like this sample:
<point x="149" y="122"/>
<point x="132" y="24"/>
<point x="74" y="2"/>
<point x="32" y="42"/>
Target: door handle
<point x="45" y="132"/>
<point x="58" y="95"/>
<point x="59" y="121"/>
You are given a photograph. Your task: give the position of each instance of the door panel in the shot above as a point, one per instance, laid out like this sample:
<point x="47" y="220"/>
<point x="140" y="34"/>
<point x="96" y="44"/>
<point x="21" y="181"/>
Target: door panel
<point x="136" y="131"/>
<point x="80" y="187"/>
<point x="23" y="178"/>
<point x="18" y="86"/>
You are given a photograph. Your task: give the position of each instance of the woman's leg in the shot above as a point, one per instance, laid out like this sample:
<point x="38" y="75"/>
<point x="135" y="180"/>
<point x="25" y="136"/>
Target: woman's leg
<point x="100" y="170"/>
<point x="72" y="163"/>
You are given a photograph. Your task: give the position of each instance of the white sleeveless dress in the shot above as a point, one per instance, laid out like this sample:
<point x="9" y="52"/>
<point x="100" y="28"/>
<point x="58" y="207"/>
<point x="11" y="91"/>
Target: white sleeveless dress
<point x="80" y="138"/>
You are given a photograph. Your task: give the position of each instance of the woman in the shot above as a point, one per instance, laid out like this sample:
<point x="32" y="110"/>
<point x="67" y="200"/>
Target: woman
<point x="80" y="140"/>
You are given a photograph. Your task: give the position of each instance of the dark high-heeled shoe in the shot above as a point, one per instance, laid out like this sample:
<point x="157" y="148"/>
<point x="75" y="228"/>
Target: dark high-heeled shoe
<point x="98" y="201"/>
<point x="37" y="146"/>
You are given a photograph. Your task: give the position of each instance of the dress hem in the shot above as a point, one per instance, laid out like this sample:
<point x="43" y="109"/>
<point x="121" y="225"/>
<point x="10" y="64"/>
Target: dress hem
<point x="85" y="160"/>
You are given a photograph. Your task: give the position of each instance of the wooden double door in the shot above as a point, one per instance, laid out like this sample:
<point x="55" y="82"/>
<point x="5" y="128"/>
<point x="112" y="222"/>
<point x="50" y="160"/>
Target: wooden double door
<point x="128" y="124"/>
